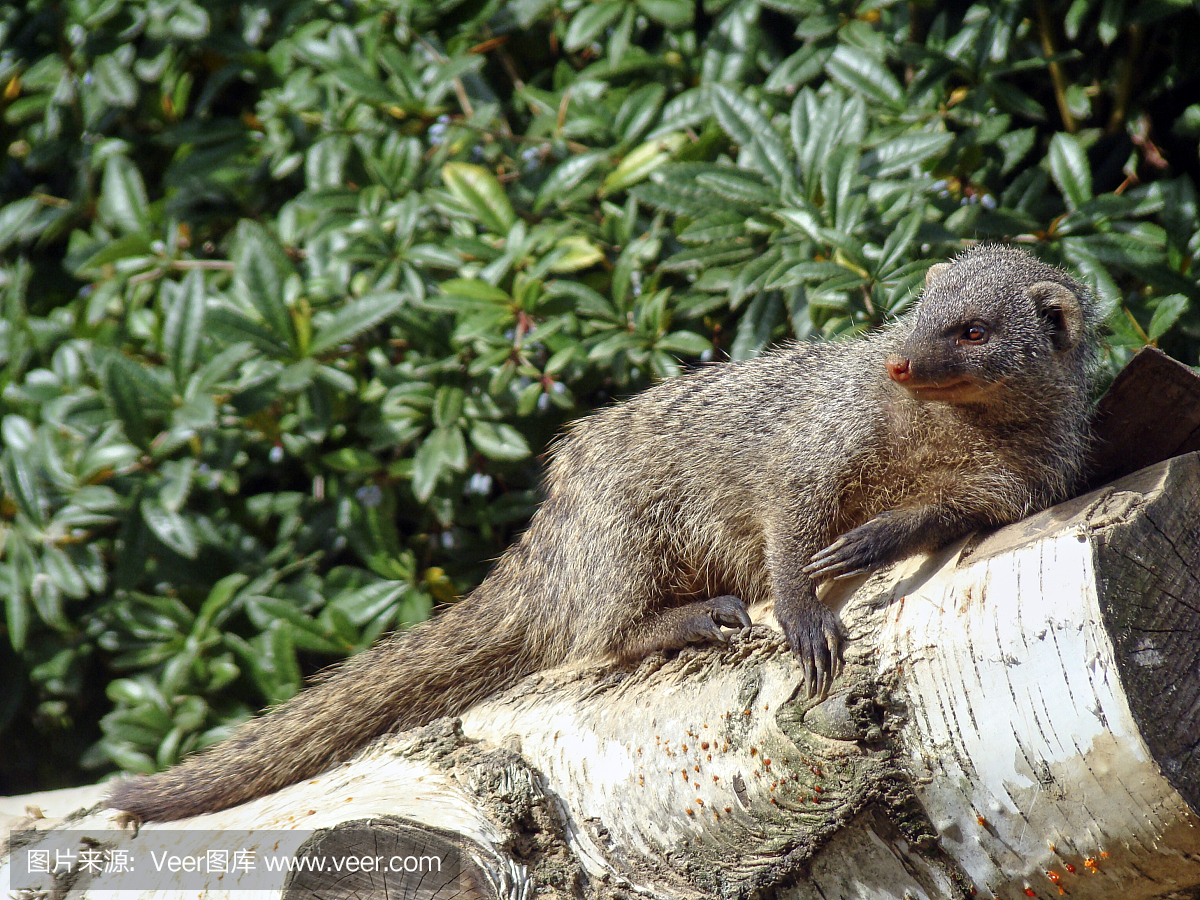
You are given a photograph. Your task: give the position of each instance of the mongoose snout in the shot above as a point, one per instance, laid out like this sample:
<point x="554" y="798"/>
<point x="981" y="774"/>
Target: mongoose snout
<point x="899" y="369"/>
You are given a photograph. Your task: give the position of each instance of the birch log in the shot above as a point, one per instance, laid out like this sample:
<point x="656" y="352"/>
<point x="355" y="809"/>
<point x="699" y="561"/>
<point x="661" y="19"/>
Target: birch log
<point x="1019" y="716"/>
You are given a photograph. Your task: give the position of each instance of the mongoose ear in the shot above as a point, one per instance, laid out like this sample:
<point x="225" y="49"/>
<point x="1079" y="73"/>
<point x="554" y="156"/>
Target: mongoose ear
<point x="934" y="272"/>
<point x="1060" y="308"/>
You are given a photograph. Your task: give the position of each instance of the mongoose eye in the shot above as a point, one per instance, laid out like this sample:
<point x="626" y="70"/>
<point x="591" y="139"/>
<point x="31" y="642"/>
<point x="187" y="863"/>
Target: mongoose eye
<point x="975" y="333"/>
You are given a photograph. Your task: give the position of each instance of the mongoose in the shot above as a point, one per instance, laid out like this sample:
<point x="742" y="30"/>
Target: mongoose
<point x="737" y="483"/>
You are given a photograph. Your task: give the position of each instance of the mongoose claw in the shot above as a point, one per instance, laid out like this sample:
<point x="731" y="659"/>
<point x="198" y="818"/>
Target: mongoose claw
<point x="855" y="552"/>
<point x="701" y="622"/>
<point x="815" y="636"/>
<point x="729" y="611"/>
<point x="709" y="617"/>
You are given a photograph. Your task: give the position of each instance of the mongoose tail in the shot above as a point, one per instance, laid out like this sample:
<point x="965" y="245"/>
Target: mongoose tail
<point x="487" y="642"/>
<point x="438" y="668"/>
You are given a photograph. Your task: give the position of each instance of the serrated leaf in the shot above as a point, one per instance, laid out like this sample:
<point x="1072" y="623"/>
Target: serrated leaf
<point x="21" y="483"/>
<point x="133" y="393"/>
<point x="170" y="527"/>
<point x="591" y="19"/>
<point x="13" y="218"/>
<point x="123" y="202"/>
<point x="234" y="328"/>
<point x="854" y="68"/>
<point x="743" y="122"/>
<point x="475" y="290"/>
<point x="260" y="270"/>
<point x="219" y="367"/>
<point x="900" y="154"/>
<point x="477" y="189"/>
<point x="1070" y="170"/>
<point x="1166" y="314"/>
<point x="354" y="318"/>
<point x="567" y="175"/>
<point x="739" y="186"/>
<point x="183" y="326"/>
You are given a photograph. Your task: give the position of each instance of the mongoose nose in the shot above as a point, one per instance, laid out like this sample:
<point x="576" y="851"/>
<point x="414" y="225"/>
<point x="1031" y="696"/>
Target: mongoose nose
<point x="898" y="368"/>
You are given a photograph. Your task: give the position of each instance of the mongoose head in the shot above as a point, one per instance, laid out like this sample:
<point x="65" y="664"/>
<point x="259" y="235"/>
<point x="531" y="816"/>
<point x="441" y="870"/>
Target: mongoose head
<point x="990" y="322"/>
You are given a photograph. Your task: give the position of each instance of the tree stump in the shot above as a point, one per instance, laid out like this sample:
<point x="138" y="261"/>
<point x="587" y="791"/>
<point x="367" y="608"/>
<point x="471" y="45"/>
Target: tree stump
<point x="1018" y="717"/>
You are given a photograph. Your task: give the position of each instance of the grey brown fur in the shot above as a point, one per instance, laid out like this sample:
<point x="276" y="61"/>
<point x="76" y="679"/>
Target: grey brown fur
<point x="748" y="480"/>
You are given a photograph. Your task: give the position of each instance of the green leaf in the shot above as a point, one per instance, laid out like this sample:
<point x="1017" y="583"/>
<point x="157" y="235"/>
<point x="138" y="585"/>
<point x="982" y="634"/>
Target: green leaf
<point x="639" y="111"/>
<point x="354" y="318"/>
<point x="134" y="395"/>
<point x="260" y="269"/>
<point x="234" y="328"/>
<point x="900" y="154"/>
<point x="475" y="290"/>
<point x="223" y="593"/>
<point x="444" y="448"/>
<point x="1070" y="170"/>
<point x="16" y="610"/>
<point x="129" y="247"/>
<point x="686" y="342"/>
<point x="587" y="24"/>
<point x="447" y="406"/>
<point x="113" y="82"/>
<point x="65" y="575"/>
<point x="477" y="189"/>
<point x="183" y="326"/>
<point x="1166" y="314"/>
<point x="13" y="219"/>
<point x="499" y="441"/>
<point x="187" y="22"/>
<point x="761" y="145"/>
<point x="898" y="239"/>
<point x="854" y="68"/>
<point x="171" y="528"/>
<point x="567" y="175"/>
<point x="641" y="161"/>
<point x="739" y="186"/>
<point x="21" y="483"/>
<point x="576" y="252"/>
<point x="352" y="459"/>
<point x="123" y="201"/>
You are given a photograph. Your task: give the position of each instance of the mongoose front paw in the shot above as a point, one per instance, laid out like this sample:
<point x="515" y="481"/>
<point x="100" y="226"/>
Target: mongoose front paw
<point x="857" y="551"/>
<point x="815" y="636"/>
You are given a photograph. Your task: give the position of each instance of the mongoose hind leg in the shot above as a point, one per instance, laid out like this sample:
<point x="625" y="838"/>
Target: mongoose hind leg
<point x="694" y="623"/>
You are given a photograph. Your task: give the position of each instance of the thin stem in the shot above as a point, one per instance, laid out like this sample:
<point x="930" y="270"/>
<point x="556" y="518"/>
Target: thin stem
<point x="1057" y="78"/>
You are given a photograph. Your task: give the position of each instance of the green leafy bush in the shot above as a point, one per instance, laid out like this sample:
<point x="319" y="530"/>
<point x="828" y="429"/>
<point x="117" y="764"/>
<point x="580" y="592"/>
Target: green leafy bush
<point x="295" y="294"/>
